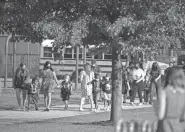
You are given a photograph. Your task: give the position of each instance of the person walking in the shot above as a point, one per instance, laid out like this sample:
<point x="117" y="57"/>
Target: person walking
<point x="33" y="95"/>
<point x="155" y="81"/>
<point x="171" y="104"/>
<point x="138" y="85"/>
<point x="66" y="89"/>
<point x="86" y="76"/>
<point x="48" y="83"/>
<point x="97" y="84"/>
<point x="21" y="81"/>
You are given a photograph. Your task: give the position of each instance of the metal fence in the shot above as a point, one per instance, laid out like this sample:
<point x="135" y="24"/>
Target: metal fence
<point x="135" y="126"/>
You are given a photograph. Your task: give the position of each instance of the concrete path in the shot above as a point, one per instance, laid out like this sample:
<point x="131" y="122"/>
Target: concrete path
<point x="12" y="117"/>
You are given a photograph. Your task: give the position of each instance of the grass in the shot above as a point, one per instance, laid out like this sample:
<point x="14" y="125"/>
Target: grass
<point x="97" y="122"/>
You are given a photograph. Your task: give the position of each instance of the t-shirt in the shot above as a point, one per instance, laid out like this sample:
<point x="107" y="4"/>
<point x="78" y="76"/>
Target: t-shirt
<point x="33" y="88"/>
<point x="155" y="73"/>
<point x="96" y="85"/>
<point x="106" y="87"/>
<point x="137" y="74"/>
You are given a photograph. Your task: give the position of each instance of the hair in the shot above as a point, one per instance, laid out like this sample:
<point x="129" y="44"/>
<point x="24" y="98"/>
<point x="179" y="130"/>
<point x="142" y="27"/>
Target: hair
<point x="97" y="75"/>
<point x="155" y="64"/>
<point x="22" y="64"/>
<point x="34" y="79"/>
<point x="46" y="64"/>
<point x="66" y="75"/>
<point x="87" y="67"/>
<point x="175" y="77"/>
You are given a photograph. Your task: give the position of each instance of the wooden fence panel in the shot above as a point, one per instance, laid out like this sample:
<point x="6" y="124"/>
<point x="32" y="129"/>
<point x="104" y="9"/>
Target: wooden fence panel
<point x="31" y="61"/>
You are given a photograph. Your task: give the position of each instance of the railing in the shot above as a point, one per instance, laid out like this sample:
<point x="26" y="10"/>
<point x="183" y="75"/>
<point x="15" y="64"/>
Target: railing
<point x="134" y="126"/>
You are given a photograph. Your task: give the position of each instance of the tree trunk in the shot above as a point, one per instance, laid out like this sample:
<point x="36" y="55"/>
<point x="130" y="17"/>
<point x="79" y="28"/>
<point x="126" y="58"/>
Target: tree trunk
<point x="116" y="86"/>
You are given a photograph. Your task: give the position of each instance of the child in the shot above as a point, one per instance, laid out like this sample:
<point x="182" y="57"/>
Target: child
<point x="96" y="90"/>
<point x="66" y="88"/>
<point x="106" y="88"/>
<point x="33" y="95"/>
<point x="171" y="109"/>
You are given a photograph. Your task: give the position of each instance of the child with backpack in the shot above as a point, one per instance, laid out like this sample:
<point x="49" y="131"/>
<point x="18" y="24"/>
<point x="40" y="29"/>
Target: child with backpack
<point x="107" y="92"/>
<point x="33" y="95"/>
<point x="96" y="91"/>
<point x="66" y="89"/>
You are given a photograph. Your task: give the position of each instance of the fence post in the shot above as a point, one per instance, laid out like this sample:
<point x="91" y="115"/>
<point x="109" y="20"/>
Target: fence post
<point x="6" y="61"/>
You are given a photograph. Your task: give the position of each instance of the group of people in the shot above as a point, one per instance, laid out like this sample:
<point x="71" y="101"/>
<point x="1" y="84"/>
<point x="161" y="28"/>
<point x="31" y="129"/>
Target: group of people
<point x="135" y="80"/>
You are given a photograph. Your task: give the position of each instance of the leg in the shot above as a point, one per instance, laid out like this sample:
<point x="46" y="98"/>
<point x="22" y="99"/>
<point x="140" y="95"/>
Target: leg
<point x="140" y="89"/>
<point x="157" y="86"/>
<point x="45" y="101"/>
<point x="134" y="90"/>
<point x="24" y="95"/>
<point x="91" y="101"/>
<point x="36" y="106"/>
<point x="82" y="102"/>
<point x="49" y="101"/>
<point x="152" y="86"/>
<point x="28" y="105"/>
<point x="18" y="96"/>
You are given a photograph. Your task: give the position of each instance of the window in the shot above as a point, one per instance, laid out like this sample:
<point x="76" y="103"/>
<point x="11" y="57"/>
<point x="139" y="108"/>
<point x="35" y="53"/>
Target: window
<point x="88" y="55"/>
<point x="98" y="56"/>
<point x="48" y="52"/>
<point x="80" y="53"/>
<point x="108" y="55"/>
<point x="68" y="53"/>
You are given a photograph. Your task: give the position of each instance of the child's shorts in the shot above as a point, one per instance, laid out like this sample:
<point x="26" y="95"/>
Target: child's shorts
<point x="96" y="96"/>
<point x="107" y="97"/>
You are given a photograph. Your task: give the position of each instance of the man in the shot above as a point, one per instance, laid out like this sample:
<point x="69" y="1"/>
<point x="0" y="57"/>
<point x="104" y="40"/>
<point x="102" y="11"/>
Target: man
<point x="2" y="55"/>
<point x="95" y="67"/>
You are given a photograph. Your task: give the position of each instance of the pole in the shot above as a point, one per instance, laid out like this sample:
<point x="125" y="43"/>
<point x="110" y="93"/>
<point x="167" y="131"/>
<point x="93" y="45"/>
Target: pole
<point x="84" y="54"/>
<point x="6" y="61"/>
<point x="14" y="62"/>
<point x="77" y="61"/>
<point x="29" y="56"/>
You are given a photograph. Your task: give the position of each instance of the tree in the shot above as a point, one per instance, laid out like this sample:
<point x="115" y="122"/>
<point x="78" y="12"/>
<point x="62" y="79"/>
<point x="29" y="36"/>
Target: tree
<point x="120" y="26"/>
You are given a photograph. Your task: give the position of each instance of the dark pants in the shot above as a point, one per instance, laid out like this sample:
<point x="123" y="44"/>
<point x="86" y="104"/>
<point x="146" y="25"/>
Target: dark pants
<point x="137" y="88"/>
<point x="154" y="86"/>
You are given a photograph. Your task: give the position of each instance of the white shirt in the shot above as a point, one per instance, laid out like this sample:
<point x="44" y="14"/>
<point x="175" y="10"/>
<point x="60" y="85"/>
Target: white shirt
<point x="138" y="73"/>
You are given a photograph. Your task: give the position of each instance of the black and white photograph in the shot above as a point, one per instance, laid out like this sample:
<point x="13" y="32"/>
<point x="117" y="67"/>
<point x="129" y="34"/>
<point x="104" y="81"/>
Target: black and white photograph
<point x="92" y="65"/>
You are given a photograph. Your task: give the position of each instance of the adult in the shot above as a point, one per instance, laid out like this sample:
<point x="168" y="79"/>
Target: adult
<point x="21" y="80"/>
<point x="95" y="68"/>
<point x="138" y="83"/>
<point x="48" y="83"/>
<point x="171" y="109"/>
<point x="86" y="76"/>
<point x="155" y="81"/>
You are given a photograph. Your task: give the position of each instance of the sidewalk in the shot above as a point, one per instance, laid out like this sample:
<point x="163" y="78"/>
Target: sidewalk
<point x="12" y="117"/>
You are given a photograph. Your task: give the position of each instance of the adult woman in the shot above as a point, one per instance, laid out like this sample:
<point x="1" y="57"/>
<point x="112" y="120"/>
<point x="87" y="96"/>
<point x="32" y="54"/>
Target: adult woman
<point x="86" y="76"/>
<point x="171" y="110"/>
<point x="137" y="86"/>
<point x="48" y="83"/>
<point x="20" y="84"/>
<point x="155" y="80"/>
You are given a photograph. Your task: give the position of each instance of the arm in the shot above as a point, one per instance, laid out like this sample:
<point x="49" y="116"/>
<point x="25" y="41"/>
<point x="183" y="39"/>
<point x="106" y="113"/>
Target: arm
<point x="162" y="105"/>
<point x="27" y="77"/>
<point x="159" y="75"/>
<point x="55" y="78"/>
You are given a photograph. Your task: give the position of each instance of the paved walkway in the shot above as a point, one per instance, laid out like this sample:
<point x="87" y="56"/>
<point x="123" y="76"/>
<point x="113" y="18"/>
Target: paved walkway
<point x="11" y="117"/>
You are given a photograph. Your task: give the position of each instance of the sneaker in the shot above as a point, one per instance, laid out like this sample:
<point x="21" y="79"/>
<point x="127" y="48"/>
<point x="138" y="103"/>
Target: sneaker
<point x="132" y="103"/>
<point x="81" y="109"/>
<point x="140" y="104"/>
